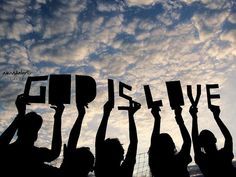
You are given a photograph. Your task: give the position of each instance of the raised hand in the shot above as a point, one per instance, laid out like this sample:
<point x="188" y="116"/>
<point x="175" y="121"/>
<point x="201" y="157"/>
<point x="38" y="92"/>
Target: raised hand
<point x="81" y="108"/>
<point x="134" y="106"/>
<point x="21" y="104"/>
<point x="108" y="107"/>
<point x="215" y="110"/>
<point x="59" y="108"/>
<point x="178" y="111"/>
<point x="193" y="111"/>
<point x="178" y="115"/>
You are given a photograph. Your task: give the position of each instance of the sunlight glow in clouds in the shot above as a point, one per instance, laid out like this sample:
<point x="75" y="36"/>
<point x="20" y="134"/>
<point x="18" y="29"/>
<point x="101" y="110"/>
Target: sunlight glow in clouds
<point x="136" y="42"/>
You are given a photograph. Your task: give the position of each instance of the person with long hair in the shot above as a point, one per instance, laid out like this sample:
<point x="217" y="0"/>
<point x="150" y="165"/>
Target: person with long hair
<point x="164" y="160"/>
<point x="109" y="153"/>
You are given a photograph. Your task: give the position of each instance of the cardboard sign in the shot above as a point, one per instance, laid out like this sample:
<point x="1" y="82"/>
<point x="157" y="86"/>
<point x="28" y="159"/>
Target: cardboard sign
<point x="59" y="89"/>
<point x="86" y="89"/>
<point x="150" y="102"/>
<point x="190" y="95"/>
<point x="175" y="94"/>
<point x="123" y="86"/>
<point x="111" y="96"/>
<point x="209" y="95"/>
<point x="37" y="98"/>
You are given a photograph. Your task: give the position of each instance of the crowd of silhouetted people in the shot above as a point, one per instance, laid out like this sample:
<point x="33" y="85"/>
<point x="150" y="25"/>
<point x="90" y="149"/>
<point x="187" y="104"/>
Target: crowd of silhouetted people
<point x="20" y="157"/>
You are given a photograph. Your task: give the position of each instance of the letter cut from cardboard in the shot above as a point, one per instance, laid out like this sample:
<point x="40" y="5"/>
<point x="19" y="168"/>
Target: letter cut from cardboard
<point x="150" y="102"/>
<point x="190" y="95"/>
<point x="86" y="89"/>
<point x="59" y="89"/>
<point x="211" y="96"/>
<point x="123" y="86"/>
<point x="175" y="94"/>
<point x="35" y="98"/>
<point x="111" y="95"/>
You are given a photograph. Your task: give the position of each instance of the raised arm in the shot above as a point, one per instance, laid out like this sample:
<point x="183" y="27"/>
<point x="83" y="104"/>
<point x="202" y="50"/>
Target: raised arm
<point x="184" y="132"/>
<point x="101" y="133"/>
<point x="196" y="147"/>
<point x="75" y="131"/>
<point x="130" y="159"/>
<point x="132" y="149"/>
<point x="8" y="134"/>
<point x="56" y="139"/>
<point x="157" y="123"/>
<point x="228" y="138"/>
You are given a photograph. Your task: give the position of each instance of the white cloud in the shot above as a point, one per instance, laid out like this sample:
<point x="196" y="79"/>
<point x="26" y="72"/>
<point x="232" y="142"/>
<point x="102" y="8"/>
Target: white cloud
<point x="3" y="29"/>
<point x="61" y="51"/>
<point x="109" y="31"/>
<point x="104" y="6"/>
<point x="228" y="107"/>
<point x="63" y="19"/>
<point x="229" y="36"/>
<point x="14" y="23"/>
<point x="15" y="55"/>
<point x="130" y="27"/>
<point x="211" y="4"/>
<point x="60" y="26"/>
<point x="217" y="4"/>
<point x="208" y="26"/>
<point x="140" y="2"/>
<point x="232" y="18"/>
<point x="19" y="28"/>
<point x="64" y="49"/>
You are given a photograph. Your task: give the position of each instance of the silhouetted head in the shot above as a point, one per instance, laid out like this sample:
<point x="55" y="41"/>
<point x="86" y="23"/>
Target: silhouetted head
<point x="207" y="140"/>
<point x="78" y="162"/>
<point x="161" y="151"/>
<point x="29" y="127"/>
<point x="165" y="144"/>
<point x="113" y="151"/>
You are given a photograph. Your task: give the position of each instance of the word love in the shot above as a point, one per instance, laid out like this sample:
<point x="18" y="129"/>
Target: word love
<point x="59" y="91"/>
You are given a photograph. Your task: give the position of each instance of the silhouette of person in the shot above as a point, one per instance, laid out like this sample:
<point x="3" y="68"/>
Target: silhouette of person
<point x="164" y="160"/>
<point x="211" y="161"/>
<point x="110" y="153"/>
<point x="77" y="162"/>
<point x="22" y="157"/>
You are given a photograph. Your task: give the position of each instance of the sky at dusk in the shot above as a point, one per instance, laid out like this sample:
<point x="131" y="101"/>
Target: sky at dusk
<point x="137" y="42"/>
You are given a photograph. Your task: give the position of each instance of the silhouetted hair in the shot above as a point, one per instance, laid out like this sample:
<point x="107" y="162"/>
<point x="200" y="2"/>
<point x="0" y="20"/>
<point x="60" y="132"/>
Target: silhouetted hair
<point x="32" y="119"/>
<point x="163" y="144"/>
<point x="161" y="149"/>
<point x="81" y="159"/>
<point x="30" y="125"/>
<point x="85" y="155"/>
<point x="206" y="137"/>
<point x="113" y="148"/>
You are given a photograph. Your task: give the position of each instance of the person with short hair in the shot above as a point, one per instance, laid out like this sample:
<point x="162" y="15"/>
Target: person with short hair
<point x="22" y="157"/>
<point x="77" y="162"/>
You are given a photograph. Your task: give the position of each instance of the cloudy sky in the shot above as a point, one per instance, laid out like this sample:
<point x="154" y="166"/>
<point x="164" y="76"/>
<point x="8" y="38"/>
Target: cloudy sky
<point x="137" y="42"/>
